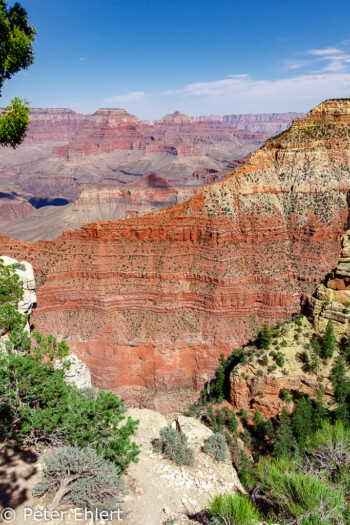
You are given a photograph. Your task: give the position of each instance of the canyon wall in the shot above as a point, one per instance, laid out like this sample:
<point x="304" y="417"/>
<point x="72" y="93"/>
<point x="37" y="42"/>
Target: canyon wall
<point x="270" y="123"/>
<point x="152" y="302"/>
<point x="67" y="156"/>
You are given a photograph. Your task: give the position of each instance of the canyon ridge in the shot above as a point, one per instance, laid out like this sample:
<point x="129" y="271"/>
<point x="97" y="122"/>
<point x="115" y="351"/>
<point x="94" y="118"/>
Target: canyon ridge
<point x="151" y="302"/>
<point x="73" y="169"/>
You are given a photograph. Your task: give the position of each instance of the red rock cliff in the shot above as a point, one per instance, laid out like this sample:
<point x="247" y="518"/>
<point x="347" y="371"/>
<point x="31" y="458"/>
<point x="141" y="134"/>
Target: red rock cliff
<point x="153" y="301"/>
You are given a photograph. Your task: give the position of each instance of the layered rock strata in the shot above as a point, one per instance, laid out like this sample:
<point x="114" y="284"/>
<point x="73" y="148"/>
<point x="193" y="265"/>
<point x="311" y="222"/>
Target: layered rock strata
<point x="154" y="301"/>
<point x="331" y="299"/>
<point x="261" y="122"/>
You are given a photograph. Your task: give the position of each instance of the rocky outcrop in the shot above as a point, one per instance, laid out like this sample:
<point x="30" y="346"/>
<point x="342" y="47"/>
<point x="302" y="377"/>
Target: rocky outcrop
<point x="331" y="299"/>
<point x="153" y="301"/>
<point x="13" y="207"/>
<point x="257" y="384"/>
<point x="180" y="491"/>
<point x="175" y="118"/>
<point x="77" y="374"/>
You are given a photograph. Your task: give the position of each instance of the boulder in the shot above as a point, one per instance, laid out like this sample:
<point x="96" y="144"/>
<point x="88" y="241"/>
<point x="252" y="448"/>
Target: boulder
<point x="78" y="372"/>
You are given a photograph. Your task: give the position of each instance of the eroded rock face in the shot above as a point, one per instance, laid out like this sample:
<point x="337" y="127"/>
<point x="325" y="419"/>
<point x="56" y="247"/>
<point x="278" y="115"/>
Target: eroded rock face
<point x="255" y="385"/>
<point x="77" y="374"/>
<point x="154" y="301"/>
<point x="331" y="299"/>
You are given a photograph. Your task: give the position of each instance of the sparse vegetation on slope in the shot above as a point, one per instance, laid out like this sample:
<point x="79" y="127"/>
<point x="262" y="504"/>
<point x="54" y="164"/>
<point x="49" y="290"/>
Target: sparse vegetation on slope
<point x="297" y="460"/>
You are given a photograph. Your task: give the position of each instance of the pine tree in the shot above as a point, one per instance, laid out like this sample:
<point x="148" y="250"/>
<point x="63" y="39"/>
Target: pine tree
<point x="341" y="390"/>
<point x="217" y="387"/>
<point x="246" y="472"/>
<point x="270" y="429"/>
<point x="264" y="337"/>
<point x="220" y="418"/>
<point x="303" y="420"/>
<point x="259" y="425"/>
<point x="329" y="342"/>
<point x="320" y="411"/>
<point x="232" y="421"/>
<point x="284" y="444"/>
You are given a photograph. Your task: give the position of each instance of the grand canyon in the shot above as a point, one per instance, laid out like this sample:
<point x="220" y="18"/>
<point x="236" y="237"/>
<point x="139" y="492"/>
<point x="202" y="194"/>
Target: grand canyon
<point x="175" y="265"/>
<point x="73" y="169"/>
<point x="151" y="302"/>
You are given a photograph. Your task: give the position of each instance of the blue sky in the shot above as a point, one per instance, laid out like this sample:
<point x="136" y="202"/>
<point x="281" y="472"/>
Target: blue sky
<point x="152" y="57"/>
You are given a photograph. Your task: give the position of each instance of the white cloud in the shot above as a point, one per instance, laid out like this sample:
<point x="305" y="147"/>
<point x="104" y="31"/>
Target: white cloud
<point x="323" y="52"/>
<point x="337" y="58"/>
<point x="82" y="58"/>
<point x="295" y="64"/>
<point x="124" y="99"/>
<point x="326" y="74"/>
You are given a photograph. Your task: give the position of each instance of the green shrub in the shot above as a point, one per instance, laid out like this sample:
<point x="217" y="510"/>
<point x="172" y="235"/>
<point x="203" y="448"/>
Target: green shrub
<point x="81" y="478"/>
<point x="245" y="471"/>
<point x="329" y="342"/>
<point x="229" y="439"/>
<point x="88" y="392"/>
<point x="173" y="445"/>
<point x="216" y="447"/>
<point x="37" y="406"/>
<point x="259" y="424"/>
<point x="285" y="395"/>
<point x="264" y="337"/>
<point x="232" y="421"/>
<point x="244" y="414"/>
<point x="11" y="287"/>
<point x="300" y="495"/>
<point x="329" y="450"/>
<point x="265" y="360"/>
<point x="246" y="437"/>
<point x="234" y="509"/>
<point x="279" y="359"/>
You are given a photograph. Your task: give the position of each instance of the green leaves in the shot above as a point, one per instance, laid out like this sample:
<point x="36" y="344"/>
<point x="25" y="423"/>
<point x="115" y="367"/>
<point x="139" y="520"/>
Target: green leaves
<point x="17" y="38"/>
<point x="11" y="289"/>
<point x="329" y="342"/>
<point x="16" y="53"/>
<point x="37" y="406"/>
<point x="14" y="123"/>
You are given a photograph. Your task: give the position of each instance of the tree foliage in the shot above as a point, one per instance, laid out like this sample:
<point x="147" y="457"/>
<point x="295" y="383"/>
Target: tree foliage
<point x="14" y="123"/>
<point x="16" y="54"/>
<point x="264" y="337"/>
<point x="329" y="342"/>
